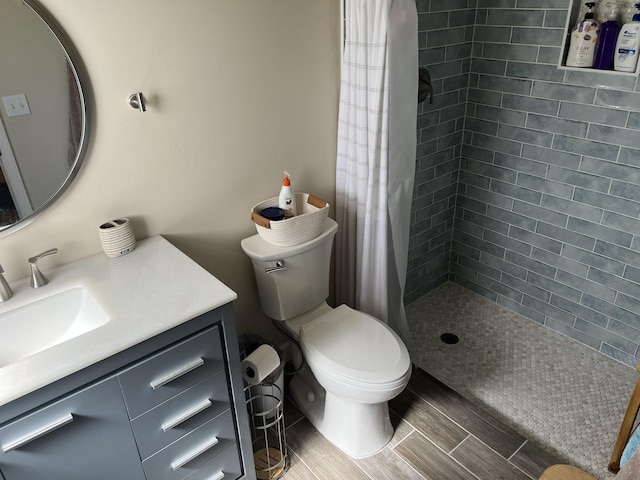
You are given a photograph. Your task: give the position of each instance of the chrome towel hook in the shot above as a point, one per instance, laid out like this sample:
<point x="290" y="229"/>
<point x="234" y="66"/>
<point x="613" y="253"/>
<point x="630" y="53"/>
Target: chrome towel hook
<point x="136" y="100"/>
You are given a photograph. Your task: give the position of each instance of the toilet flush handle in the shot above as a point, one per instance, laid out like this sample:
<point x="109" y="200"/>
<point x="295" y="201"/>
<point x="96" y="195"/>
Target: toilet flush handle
<point x="278" y="267"/>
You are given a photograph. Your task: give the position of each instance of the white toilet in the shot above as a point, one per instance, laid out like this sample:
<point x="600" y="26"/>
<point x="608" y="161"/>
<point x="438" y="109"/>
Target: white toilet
<point x="356" y="363"/>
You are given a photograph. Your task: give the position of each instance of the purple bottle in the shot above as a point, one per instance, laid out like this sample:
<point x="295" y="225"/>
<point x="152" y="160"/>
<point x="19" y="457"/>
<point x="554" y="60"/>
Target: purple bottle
<point x="606" y="47"/>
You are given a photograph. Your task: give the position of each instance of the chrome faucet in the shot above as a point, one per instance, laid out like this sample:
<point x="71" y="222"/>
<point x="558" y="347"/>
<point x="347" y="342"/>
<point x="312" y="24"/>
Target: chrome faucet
<point x="37" y="277"/>
<point x="5" y="290"/>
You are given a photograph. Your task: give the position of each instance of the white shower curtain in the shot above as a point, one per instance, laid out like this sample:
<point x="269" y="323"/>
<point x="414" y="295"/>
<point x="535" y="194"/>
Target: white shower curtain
<point x="376" y="156"/>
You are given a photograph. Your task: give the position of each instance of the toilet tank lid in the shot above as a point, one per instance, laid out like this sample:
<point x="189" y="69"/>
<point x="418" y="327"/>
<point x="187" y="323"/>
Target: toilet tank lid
<point x="258" y="248"/>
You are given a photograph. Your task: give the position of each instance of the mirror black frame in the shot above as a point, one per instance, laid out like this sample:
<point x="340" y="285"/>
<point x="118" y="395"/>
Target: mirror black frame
<point x="82" y="84"/>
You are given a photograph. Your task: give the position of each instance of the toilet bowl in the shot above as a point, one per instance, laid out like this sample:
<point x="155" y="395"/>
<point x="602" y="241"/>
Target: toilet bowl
<point x="355" y="363"/>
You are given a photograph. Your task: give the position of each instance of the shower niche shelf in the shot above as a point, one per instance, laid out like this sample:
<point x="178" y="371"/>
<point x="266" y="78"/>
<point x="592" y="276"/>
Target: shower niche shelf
<point x="577" y="11"/>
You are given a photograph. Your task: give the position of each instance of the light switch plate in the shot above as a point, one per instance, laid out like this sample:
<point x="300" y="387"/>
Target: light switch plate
<point x="16" y="105"/>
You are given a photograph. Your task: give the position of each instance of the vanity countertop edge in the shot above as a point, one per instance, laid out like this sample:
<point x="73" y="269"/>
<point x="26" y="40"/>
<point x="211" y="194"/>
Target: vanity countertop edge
<point x="153" y="289"/>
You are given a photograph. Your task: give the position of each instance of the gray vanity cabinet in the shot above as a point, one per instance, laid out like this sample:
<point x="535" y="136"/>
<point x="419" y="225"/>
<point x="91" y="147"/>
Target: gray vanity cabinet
<point x="179" y="405"/>
<point x="87" y="431"/>
<point x="170" y="408"/>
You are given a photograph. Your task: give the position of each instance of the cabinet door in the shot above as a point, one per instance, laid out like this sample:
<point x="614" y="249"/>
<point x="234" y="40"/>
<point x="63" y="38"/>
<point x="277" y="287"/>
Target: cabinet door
<point x="85" y="435"/>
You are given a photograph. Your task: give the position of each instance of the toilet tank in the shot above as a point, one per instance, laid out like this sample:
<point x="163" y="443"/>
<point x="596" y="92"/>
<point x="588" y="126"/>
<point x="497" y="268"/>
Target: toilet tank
<point x="292" y="280"/>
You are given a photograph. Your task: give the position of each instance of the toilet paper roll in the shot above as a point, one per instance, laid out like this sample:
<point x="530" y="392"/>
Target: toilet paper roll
<point x="260" y="364"/>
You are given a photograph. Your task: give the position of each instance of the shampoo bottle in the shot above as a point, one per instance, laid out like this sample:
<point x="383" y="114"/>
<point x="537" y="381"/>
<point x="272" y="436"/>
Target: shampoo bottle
<point x="607" y="39"/>
<point x="625" y="56"/>
<point x="287" y="199"/>
<point x="584" y="37"/>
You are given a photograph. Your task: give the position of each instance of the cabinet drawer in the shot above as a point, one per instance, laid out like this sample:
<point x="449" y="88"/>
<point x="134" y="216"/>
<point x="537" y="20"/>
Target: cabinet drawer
<point x="171" y="371"/>
<point x="225" y="466"/>
<point x="176" y="417"/>
<point x="84" y="435"/>
<point x="193" y="450"/>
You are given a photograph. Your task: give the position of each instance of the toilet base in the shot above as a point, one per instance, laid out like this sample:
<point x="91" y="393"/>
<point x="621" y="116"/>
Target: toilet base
<point x="358" y="429"/>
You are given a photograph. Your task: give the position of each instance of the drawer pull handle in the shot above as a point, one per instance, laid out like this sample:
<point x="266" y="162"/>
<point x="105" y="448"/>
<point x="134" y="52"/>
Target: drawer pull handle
<point x="159" y="382"/>
<point x="183" y="417"/>
<point x="40" y="432"/>
<point x="217" y="476"/>
<point x="196" y="452"/>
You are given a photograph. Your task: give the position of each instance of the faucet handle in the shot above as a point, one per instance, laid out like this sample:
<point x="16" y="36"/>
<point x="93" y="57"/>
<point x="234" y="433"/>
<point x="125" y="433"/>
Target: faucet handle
<point x="5" y="290"/>
<point x="35" y="258"/>
<point x="37" y="277"/>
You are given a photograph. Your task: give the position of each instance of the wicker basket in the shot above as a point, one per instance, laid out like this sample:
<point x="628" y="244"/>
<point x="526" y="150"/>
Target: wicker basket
<point x="307" y="225"/>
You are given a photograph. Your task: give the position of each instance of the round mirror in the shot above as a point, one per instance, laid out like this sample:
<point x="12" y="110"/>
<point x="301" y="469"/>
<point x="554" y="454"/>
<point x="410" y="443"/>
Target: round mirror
<point x="43" y="116"/>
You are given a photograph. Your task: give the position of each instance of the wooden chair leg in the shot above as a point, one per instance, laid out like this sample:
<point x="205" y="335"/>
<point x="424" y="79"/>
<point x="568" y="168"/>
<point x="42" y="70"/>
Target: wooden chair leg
<point x="625" y="428"/>
<point x="565" y="472"/>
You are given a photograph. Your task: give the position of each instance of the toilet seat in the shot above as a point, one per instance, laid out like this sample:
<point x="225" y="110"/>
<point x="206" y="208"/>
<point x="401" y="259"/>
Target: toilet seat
<point x="356" y="349"/>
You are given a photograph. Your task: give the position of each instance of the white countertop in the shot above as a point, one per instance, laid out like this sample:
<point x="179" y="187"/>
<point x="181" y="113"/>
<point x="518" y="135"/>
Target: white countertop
<point x="146" y="292"/>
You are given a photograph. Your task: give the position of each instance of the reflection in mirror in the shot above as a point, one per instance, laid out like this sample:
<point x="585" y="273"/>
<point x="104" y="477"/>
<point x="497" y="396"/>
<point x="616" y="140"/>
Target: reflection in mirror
<point x="43" y="122"/>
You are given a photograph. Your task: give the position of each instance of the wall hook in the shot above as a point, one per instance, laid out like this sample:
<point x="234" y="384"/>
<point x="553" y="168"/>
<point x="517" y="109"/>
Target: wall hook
<point x="136" y="100"/>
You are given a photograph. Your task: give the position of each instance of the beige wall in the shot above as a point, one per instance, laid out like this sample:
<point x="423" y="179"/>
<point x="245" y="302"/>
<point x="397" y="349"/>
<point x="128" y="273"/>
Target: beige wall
<point x="238" y="91"/>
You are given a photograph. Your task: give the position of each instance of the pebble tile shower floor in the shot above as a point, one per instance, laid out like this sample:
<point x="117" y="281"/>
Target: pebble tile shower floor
<point x="563" y="396"/>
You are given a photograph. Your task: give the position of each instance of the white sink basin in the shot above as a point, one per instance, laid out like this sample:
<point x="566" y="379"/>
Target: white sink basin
<point x="50" y="321"/>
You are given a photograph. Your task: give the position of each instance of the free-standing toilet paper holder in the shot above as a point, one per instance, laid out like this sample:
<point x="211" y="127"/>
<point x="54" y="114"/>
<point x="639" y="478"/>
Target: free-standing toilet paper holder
<point x="265" y="405"/>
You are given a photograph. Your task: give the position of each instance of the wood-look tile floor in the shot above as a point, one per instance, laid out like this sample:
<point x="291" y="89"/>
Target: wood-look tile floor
<point x="439" y="436"/>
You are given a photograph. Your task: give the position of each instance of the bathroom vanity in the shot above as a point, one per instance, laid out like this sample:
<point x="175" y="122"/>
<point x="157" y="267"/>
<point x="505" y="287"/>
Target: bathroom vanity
<point x="154" y="393"/>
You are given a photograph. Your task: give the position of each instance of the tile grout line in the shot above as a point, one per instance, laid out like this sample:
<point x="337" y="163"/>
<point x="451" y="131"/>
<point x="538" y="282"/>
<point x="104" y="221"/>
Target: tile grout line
<point x="516" y="466"/>
<point x="463" y="428"/>
<point x="517" y="450"/>
<point x="293" y="451"/>
<point x="507" y="460"/>
<point x="447" y="454"/>
<point x="302" y="461"/>
<point x="359" y="468"/>
<point x="405" y="462"/>
<point x="460" y="443"/>
<point x="413" y="429"/>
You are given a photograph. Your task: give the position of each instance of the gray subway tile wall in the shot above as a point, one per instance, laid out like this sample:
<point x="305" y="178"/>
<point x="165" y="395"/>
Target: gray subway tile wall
<point x="445" y="48"/>
<point x="527" y="187"/>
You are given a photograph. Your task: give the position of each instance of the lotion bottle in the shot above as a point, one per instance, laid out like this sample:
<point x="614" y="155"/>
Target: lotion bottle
<point x="287" y="199"/>
<point x="607" y="39"/>
<point x="584" y="37"/>
<point x="625" y="58"/>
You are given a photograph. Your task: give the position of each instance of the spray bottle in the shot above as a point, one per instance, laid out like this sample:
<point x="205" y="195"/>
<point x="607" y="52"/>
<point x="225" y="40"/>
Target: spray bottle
<point x="287" y="199"/>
